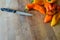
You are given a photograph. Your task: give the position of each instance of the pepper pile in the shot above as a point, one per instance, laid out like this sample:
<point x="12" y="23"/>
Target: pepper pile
<point x="49" y="8"/>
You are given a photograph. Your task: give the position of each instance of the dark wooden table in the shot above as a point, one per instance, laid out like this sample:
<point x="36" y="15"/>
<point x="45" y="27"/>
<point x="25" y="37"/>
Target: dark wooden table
<point x="17" y="27"/>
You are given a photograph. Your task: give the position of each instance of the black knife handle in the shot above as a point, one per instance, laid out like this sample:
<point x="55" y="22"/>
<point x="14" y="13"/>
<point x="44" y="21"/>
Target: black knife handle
<point x="8" y="10"/>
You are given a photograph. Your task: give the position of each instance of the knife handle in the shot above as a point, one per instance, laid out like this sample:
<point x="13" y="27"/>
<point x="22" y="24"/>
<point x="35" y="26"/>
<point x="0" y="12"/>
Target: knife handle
<point x="8" y="10"/>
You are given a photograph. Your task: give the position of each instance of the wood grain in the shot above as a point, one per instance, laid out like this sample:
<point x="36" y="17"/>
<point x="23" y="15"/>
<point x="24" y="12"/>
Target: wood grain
<point x="17" y="27"/>
<point x="41" y="30"/>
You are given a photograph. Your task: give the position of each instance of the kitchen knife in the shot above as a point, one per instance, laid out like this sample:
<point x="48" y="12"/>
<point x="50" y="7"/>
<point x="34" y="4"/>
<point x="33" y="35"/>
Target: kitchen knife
<point x="15" y="11"/>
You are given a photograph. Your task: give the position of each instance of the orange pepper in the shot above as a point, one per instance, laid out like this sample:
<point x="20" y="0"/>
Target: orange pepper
<point x="39" y="8"/>
<point x="29" y="6"/>
<point x="51" y="12"/>
<point x="49" y="6"/>
<point x="48" y="18"/>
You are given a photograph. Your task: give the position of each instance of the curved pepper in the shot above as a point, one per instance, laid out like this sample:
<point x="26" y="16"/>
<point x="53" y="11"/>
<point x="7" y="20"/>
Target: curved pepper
<point x="39" y="8"/>
<point x="55" y="20"/>
<point x="47" y="18"/>
<point x="51" y="12"/>
<point x="50" y="7"/>
<point x="29" y="6"/>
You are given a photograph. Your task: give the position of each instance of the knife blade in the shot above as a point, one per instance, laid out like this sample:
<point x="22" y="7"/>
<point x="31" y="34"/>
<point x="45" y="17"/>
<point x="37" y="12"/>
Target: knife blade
<point x="15" y="11"/>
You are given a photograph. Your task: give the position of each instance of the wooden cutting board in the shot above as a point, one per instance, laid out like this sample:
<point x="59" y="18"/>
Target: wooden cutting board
<point x="17" y="27"/>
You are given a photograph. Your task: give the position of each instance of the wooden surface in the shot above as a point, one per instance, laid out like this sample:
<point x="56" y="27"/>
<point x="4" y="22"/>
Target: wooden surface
<point x="17" y="27"/>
